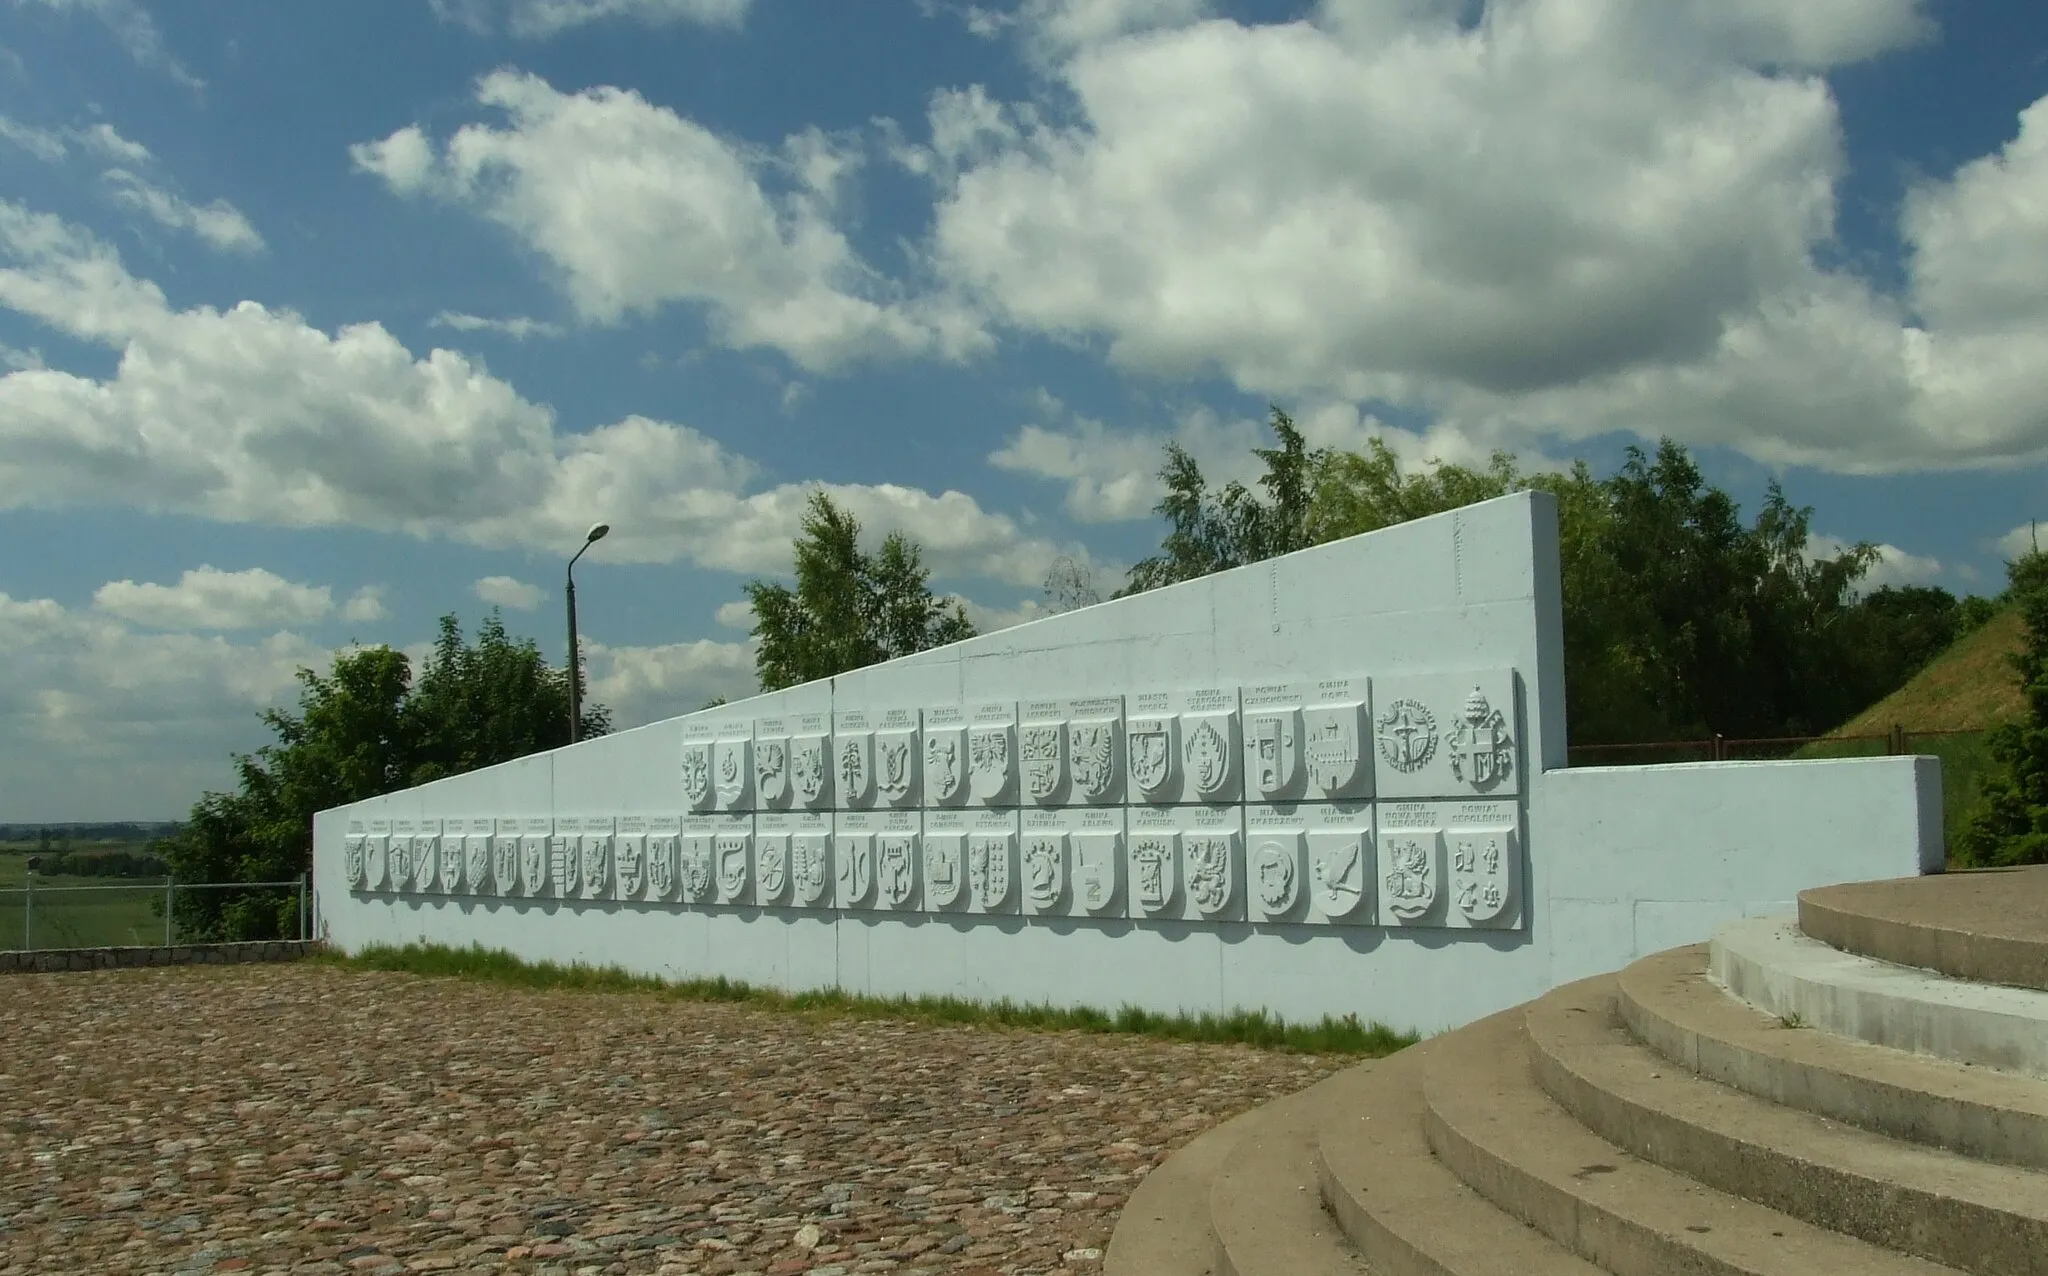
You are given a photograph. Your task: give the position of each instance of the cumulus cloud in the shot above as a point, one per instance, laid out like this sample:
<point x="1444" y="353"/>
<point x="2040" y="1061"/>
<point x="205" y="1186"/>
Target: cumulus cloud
<point x="635" y="207"/>
<point x="130" y="24"/>
<point x="519" y="327"/>
<point x="507" y="592"/>
<point x="1560" y="218"/>
<point x="108" y="721"/>
<point x="1894" y="567"/>
<point x="737" y="614"/>
<point x="251" y="415"/>
<point x="209" y="598"/>
<point x="44" y="144"/>
<point x="539" y="19"/>
<point x="646" y="684"/>
<point x="2020" y="541"/>
<point x="219" y="223"/>
<point x="365" y="605"/>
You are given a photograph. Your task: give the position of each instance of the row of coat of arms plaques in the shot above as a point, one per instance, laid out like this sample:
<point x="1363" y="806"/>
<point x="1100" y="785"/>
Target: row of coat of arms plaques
<point x="1346" y="739"/>
<point x="1395" y="863"/>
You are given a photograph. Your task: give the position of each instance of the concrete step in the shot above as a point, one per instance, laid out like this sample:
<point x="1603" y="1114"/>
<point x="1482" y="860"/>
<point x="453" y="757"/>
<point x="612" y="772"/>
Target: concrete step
<point x="1163" y="1229"/>
<point x="1770" y="965"/>
<point x="1989" y="925"/>
<point x="1670" y="1006"/>
<point x="1266" y="1213"/>
<point x="1971" y="1215"/>
<point x="1402" y="1208"/>
<point x="1489" y="1121"/>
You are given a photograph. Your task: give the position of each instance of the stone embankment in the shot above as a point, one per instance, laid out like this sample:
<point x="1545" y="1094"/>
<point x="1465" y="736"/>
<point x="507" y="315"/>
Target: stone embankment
<point x="307" y="1119"/>
<point x="51" y="960"/>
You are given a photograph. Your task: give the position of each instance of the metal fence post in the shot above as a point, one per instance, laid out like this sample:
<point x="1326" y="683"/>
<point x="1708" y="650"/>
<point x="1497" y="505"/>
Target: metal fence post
<point x="302" y="906"/>
<point x="170" y="889"/>
<point x="28" y="914"/>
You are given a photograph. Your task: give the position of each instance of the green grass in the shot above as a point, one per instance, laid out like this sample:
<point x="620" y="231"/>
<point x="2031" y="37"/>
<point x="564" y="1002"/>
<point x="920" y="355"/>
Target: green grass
<point x="70" y="918"/>
<point x="1345" y="1036"/>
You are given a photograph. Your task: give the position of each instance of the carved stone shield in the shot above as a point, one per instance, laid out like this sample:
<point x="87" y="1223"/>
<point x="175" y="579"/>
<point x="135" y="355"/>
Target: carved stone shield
<point x="807" y="768"/>
<point x="988" y="751"/>
<point x="504" y="864"/>
<point x="1045" y="869"/>
<point x="352" y="861"/>
<point x="771" y="868"/>
<point x="853" y="765"/>
<point x="452" y="854"/>
<point x="1481" y="753"/>
<point x="895" y="766"/>
<point x="1273" y="752"/>
<point x="1407" y="735"/>
<point x="398" y="863"/>
<point x="1480" y="867"/>
<point x="596" y="866"/>
<point x="1337" y="873"/>
<point x="730" y="767"/>
<point x="1150" y="741"/>
<point x="376" y="852"/>
<point x="945" y="876"/>
<point x="533" y="864"/>
<point x="426" y="863"/>
<point x="696" y="775"/>
<point x="988" y="872"/>
<point x="631" y="857"/>
<point x="1410" y="886"/>
<point x="1092" y="746"/>
<point x="478" y="867"/>
<point x="771" y="771"/>
<point x="1276" y="875"/>
<point x="661" y="866"/>
<point x="1095" y="870"/>
<point x="694" y="863"/>
<point x="945" y="770"/>
<point x="1043" y="746"/>
<point x="564" y="866"/>
<point x="731" y="850"/>
<point x="1211" y="876"/>
<point x="1334" y="760"/>
<point x="895" y="870"/>
<point x="1155" y="872"/>
<point x="807" y="868"/>
<point x="854" y="859"/>
<point x="1207" y="753"/>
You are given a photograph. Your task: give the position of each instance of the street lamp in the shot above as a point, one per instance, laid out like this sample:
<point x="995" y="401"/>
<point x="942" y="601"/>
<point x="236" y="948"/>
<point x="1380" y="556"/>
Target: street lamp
<point x="593" y="536"/>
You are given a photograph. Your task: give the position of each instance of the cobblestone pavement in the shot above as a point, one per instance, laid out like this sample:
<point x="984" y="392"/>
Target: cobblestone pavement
<point x="304" y="1118"/>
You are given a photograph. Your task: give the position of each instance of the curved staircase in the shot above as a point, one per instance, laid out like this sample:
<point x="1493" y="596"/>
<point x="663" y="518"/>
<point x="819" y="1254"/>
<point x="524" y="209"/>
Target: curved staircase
<point x="1864" y="1091"/>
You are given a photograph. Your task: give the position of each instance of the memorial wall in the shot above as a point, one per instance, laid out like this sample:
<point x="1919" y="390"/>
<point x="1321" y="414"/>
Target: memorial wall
<point x="1324" y="784"/>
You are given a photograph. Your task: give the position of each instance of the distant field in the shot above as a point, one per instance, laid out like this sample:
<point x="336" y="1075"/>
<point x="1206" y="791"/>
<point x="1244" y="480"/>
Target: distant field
<point x="72" y="918"/>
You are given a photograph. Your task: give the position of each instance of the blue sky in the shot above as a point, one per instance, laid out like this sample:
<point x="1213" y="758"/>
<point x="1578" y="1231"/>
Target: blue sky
<point x="317" y="322"/>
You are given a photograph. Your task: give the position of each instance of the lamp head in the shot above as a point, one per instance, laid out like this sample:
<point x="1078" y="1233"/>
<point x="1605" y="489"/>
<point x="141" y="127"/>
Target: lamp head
<point x="597" y="532"/>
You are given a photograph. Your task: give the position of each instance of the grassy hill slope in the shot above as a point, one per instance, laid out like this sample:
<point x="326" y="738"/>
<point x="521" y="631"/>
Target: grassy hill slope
<point x="1969" y="687"/>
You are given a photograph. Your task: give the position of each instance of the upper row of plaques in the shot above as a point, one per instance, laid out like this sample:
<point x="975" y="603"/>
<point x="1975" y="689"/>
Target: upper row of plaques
<point x="1421" y="736"/>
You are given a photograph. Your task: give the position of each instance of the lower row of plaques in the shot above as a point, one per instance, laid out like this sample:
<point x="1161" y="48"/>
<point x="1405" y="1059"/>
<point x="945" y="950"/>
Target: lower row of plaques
<point x="1440" y="864"/>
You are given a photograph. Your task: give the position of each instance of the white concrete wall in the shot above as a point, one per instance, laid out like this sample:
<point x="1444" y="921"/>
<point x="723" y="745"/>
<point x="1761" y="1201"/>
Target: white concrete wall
<point x="1614" y="862"/>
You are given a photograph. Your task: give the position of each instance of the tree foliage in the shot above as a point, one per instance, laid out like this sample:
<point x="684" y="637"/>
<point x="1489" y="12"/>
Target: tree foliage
<point x="2011" y="822"/>
<point x="849" y="608"/>
<point x="1681" y="619"/>
<point x="364" y="728"/>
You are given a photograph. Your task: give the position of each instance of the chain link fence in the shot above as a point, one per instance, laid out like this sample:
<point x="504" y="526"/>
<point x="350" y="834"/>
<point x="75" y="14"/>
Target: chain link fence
<point x="133" y="915"/>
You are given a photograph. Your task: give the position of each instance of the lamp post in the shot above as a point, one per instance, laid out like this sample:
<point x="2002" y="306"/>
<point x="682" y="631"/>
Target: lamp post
<point x="593" y="536"/>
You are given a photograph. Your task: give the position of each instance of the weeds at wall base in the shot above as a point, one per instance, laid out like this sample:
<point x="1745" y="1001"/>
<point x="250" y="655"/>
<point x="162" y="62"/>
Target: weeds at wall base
<point x="1346" y="1036"/>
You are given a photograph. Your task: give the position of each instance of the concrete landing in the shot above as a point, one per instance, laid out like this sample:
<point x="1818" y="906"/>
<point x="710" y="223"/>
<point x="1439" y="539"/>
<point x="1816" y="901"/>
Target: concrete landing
<point x="1769" y="964"/>
<point x="1988" y="925"/>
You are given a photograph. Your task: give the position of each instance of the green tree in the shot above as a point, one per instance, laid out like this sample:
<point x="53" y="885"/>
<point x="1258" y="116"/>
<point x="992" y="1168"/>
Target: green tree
<point x="849" y="608"/>
<point x="364" y="728"/>
<point x="2011" y="822"/>
<point x="1214" y="531"/>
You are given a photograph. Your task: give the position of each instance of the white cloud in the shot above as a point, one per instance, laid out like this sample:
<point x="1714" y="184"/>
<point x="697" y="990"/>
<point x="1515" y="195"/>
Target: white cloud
<point x="636" y="207"/>
<point x="737" y="614"/>
<point x="131" y="25"/>
<point x="44" y="144"/>
<point x="1564" y="218"/>
<point x="539" y="19"/>
<point x="252" y="416"/>
<point x="2020" y="541"/>
<point x="219" y="223"/>
<point x="1894" y="566"/>
<point x="208" y="598"/>
<point x="519" y="327"/>
<point x="646" y="684"/>
<point x="109" y="143"/>
<point x="504" y="591"/>
<point x="103" y="721"/>
<point x="365" y="605"/>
